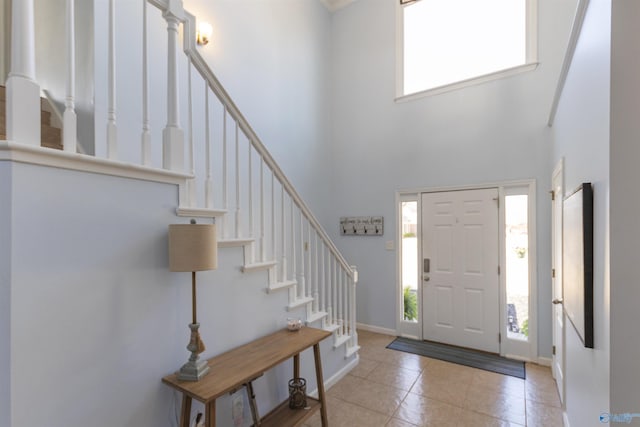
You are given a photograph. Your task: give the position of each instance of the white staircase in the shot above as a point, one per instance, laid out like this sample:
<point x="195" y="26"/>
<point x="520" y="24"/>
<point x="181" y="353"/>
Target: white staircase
<point x="224" y="172"/>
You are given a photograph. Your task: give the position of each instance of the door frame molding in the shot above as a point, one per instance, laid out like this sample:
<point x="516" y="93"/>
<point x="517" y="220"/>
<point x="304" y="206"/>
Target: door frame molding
<point x="558" y="171"/>
<point x="411" y="330"/>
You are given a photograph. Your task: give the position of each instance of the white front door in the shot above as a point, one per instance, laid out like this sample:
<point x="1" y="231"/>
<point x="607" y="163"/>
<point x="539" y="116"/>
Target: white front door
<point x="460" y="283"/>
<point x="557" y="366"/>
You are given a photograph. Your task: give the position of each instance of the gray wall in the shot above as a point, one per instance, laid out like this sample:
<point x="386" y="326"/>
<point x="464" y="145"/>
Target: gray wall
<point x="490" y="132"/>
<point x="625" y="207"/>
<point x="96" y="317"/>
<point x="272" y="58"/>
<point x="5" y="294"/>
<point x="581" y="137"/>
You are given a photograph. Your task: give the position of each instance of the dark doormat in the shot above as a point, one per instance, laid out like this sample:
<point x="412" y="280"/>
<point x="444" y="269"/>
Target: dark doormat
<point x="461" y="356"/>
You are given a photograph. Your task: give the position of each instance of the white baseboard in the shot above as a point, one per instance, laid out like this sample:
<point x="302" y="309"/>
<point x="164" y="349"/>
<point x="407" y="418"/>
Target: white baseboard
<point x="376" y="329"/>
<point x="337" y="376"/>
<point x="520" y="358"/>
<point x="544" y="361"/>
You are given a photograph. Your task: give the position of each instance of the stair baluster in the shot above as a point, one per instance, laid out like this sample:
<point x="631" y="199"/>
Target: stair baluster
<point x="69" y="120"/>
<point x="112" y="128"/>
<point x="145" y="143"/>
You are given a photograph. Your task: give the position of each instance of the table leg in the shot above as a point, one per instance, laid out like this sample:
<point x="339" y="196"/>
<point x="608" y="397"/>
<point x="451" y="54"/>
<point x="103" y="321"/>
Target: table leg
<point x="210" y="414"/>
<point x="296" y="366"/>
<point x="320" y="381"/>
<point x="252" y="404"/>
<point x="185" y="411"/>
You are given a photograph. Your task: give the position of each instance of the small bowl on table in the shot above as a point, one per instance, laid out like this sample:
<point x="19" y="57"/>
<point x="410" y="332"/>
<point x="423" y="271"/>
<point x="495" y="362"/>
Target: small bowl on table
<point x="294" y="324"/>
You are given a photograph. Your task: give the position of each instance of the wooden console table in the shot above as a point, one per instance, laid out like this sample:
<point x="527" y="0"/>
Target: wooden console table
<point x="240" y="366"/>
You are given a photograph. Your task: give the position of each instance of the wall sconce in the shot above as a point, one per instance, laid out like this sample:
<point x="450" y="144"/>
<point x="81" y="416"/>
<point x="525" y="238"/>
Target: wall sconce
<point x="203" y="34"/>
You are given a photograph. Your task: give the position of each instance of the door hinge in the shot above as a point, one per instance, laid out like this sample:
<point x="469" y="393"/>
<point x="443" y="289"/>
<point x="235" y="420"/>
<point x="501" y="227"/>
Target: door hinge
<point x="553" y="194"/>
<point x="553" y="273"/>
<point x="498" y="270"/>
<point x="499" y="337"/>
<point x="553" y="350"/>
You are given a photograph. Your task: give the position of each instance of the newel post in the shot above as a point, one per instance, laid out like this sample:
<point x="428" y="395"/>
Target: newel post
<point x="23" y="92"/>
<point x="173" y="135"/>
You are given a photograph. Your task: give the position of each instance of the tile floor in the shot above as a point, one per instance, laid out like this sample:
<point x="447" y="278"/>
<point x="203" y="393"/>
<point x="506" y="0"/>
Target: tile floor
<point x="389" y="388"/>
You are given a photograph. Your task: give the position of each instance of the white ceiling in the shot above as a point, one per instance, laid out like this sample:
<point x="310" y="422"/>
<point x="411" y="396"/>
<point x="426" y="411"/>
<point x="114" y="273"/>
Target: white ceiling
<point x="334" y="5"/>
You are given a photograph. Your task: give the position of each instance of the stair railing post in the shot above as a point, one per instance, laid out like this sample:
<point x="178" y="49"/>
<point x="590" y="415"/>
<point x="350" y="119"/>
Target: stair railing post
<point x="340" y="301"/>
<point x="274" y="243"/>
<point x="352" y="300"/>
<point x="69" y="130"/>
<point x="293" y="240"/>
<point x="316" y="274"/>
<point x="208" y="185"/>
<point x="283" y="243"/>
<point x="323" y="280"/>
<point x="303" y="248"/>
<point x="238" y="230"/>
<point x="225" y="194"/>
<point x="172" y="135"/>
<point x="250" y="197"/>
<point x="332" y="270"/>
<point x="23" y="92"/>
<point x="191" y="182"/>
<point x="111" y="108"/>
<point x="145" y="140"/>
<point x="263" y="243"/>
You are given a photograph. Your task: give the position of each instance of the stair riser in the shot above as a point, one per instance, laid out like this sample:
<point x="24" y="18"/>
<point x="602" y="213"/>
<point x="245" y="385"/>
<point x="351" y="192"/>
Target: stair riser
<point x="51" y="137"/>
<point x="45" y="116"/>
<point x="46" y="131"/>
<point x="3" y="98"/>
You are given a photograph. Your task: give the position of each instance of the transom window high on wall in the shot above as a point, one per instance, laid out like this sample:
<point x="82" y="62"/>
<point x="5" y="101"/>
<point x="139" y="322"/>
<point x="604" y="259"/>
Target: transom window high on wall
<point x="447" y="44"/>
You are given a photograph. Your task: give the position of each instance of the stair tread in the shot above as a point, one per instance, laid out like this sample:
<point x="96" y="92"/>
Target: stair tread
<point x="318" y="315"/>
<point x="331" y="327"/>
<point x="352" y="349"/>
<point x="200" y="212"/>
<point x="259" y="265"/>
<point x="45" y="116"/>
<point x="230" y="243"/>
<point x="282" y="285"/>
<point x="299" y="303"/>
<point x="341" y="340"/>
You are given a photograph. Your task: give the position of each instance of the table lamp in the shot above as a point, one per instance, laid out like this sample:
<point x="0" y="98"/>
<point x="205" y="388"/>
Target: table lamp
<point x="193" y="247"/>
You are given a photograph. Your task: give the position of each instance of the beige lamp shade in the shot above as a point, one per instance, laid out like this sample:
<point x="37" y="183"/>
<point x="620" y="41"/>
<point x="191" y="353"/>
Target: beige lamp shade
<point x="192" y="247"/>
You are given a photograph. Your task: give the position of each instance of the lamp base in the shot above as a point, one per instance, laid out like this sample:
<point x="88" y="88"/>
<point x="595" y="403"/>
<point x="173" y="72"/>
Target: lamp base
<point x="194" y="369"/>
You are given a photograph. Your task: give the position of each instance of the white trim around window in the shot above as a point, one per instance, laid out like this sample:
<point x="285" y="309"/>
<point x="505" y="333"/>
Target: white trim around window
<point x="531" y="62"/>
